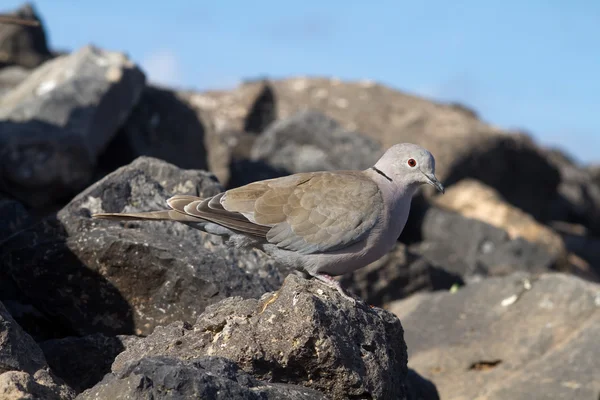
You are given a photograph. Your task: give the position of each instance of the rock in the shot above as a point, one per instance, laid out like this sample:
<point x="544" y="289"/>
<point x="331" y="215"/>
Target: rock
<point x="202" y="378"/>
<point x="463" y="145"/>
<point x="397" y="275"/>
<point x="304" y="334"/>
<point x="263" y="111"/>
<point x="579" y="193"/>
<point x="55" y="123"/>
<point x="123" y="278"/>
<point x="471" y="249"/>
<point x="13" y="217"/>
<point x="83" y="361"/>
<point x="11" y="77"/>
<point x="310" y="141"/>
<point x="473" y="199"/>
<point x="22" y="45"/>
<point x="515" y="337"/>
<point x="162" y="125"/>
<point x="24" y="373"/>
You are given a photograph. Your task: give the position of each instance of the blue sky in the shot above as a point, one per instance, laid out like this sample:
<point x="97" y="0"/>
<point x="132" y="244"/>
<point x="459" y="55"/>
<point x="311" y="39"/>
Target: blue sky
<point x="531" y="65"/>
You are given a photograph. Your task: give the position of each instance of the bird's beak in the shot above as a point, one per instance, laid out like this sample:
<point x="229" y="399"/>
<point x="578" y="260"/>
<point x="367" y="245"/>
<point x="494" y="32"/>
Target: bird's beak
<point x="433" y="181"/>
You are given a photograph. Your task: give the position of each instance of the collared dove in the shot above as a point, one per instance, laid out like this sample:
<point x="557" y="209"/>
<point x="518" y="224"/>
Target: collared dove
<point x="323" y="223"/>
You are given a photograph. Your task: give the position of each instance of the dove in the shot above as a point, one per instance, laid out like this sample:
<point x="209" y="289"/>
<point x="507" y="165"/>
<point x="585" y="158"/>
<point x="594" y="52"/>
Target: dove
<point x="323" y="224"/>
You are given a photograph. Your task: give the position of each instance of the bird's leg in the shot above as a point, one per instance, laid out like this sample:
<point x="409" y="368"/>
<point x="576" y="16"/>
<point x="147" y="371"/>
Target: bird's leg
<point x="332" y="283"/>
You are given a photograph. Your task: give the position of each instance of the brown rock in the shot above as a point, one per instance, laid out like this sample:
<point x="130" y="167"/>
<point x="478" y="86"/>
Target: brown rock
<point x="517" y="337"/>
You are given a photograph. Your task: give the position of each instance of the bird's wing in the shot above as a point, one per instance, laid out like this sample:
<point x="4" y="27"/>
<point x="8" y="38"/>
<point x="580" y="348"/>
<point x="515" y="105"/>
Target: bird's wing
<point x="307" y="212"/>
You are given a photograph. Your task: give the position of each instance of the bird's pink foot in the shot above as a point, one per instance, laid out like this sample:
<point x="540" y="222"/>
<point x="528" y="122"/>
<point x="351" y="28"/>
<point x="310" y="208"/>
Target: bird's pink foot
<point x="332" y="283"/>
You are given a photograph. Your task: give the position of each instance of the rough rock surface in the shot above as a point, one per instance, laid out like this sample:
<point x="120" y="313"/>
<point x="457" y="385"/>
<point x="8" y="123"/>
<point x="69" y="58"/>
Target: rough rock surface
<point x="83" y="361"/>
<point x="11" y="77"/>
<point x="22" y="45"/>
<point x="202" y="378"/>
<point x="397" y="275"/>
<point x="473" y="249"/>
<point x="310" y="141"/>
<point x="24" y="373"/>
<point x="463" y="145"/>
<point x="121" y="278"/>
<point x="515" y="337"/>
<point x="56" y="122"/>
<point x="303" y="334"/>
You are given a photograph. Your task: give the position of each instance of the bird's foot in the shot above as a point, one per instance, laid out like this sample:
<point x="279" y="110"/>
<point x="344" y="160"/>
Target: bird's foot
<point x="332" y="283"/>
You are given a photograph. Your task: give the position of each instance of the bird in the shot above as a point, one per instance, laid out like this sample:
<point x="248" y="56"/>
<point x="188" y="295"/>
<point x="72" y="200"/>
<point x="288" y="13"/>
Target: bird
<point x="321" y="224"/>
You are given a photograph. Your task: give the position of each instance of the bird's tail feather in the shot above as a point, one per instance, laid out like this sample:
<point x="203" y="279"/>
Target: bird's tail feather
<point x="166" y="215"/>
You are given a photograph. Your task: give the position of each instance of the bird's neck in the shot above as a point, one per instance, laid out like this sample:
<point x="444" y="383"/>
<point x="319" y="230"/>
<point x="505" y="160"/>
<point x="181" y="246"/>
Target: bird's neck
<point x="393" y="192"/>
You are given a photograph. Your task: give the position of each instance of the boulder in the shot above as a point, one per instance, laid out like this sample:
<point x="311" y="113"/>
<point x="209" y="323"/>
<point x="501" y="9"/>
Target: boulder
<point x="123" y="278"/>
<point x="83" y="361"/>
<point x="57" y="121"/>
<point x="516" y="337"/>
<point x="463" y="145"/>
<point x="162" y="125"/>
<point x="473" y="199"/>
<point x="579" y="193"/>
<point x="473" y="249"/>
<point x="397" y="275"/>
<point x="23" y="45"/>
<point x="11" y="77"/>
<point x="201" y="378"/>
<point x="305" y="334"/>
<point x="24" y="373"/>
<point x="311" y="141"/>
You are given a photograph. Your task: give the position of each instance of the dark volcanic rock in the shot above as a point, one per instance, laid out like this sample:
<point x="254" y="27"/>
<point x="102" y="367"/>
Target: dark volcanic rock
<point x="303" y="334"/>
<point x="310" y="141"/>
<point x="579" y="194"/>
<point x="516" y="337"/>
<point x="24" y="373"/>
<point x="163" y="126"/>
<point x="22" y="45"/>
<point x="58" y="120"/>
<point x="202" y="378"/>
<point x="83" y="361"/>
<point x="470" y="248"/>
<point x="121" y="278"/>
<point x="397" y="275"/>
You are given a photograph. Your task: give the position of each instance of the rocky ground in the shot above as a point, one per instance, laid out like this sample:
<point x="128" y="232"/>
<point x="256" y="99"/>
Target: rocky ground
<point x="492" y="291"/>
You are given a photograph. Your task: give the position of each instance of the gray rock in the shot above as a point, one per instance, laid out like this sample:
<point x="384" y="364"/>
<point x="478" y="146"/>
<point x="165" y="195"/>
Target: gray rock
<point x="22" y="45"/>
<point x="83" y="361"/>
<point x="311" y="141"/>
<point x="122" y="278"/>
<point x="473" y="249"/>
<point x="579" y="193"/>
<point x="397" y="275"/>
<point x="55" y="123"/>
<point x="303" y="334"/>
<point x="164" y="126"/>
<point x="24" y="373"/>
<point x="202" y="378"/>
<point x="516" y="337"/>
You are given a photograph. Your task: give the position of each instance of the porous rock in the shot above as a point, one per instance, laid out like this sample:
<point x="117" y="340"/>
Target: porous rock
<point x="517" y="337"/>
<point x="303" y="334"/>
<point x="24" y="373"/>
<point x="120" y="278"/>
<point x="56" y="122"/>
<point x="202" y="378"/>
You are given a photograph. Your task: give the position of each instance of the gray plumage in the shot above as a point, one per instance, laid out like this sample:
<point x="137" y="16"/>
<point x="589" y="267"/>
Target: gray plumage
<point x="322" y="223"/>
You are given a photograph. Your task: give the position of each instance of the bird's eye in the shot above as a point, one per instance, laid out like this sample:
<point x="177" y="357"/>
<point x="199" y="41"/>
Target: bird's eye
<point x="412" y="162"/>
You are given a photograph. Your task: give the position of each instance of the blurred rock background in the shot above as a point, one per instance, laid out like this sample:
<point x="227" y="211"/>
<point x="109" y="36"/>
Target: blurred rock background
<point x="495" y="282"/>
